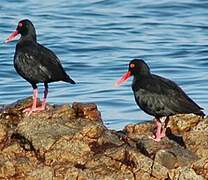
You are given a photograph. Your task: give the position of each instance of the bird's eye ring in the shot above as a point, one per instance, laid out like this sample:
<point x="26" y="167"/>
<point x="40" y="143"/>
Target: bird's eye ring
<point x="132" y="65"/>
<point x="20" y="24"/>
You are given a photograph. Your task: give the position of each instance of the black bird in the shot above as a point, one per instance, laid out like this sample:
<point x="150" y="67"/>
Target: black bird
<point x="158" y="96"/>
<point x="36" y="63"/>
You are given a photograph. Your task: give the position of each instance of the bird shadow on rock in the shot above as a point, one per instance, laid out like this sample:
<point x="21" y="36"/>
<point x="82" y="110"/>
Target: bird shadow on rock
<point x="26" y="145"/>
<point x="178" y="139"/>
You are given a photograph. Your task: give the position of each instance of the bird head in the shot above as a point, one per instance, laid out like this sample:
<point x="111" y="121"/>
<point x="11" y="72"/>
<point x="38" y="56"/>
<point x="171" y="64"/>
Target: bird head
<point x="137" y="68"/>
<point x="24" y="27"/>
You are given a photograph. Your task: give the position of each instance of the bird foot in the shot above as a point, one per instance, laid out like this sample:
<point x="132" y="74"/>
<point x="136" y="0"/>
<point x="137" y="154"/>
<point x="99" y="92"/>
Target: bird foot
<point x="157" y="139"/>
<point x="29" y="111"/>
<point x="162" y="135"/>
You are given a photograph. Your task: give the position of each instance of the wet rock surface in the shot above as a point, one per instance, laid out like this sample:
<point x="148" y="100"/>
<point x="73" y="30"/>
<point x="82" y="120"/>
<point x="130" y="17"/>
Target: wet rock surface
<point x="71" y="142"/>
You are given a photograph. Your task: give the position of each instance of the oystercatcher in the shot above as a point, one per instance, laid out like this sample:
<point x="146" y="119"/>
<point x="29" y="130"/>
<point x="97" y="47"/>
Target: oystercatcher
<point x="36" y="63"/>
<point x="158" y="96"/>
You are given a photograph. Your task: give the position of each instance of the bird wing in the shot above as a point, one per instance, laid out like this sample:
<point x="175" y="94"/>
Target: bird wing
<point x="26" y="65"/>
<point x="51" y="62"/>
<point x="163" y="97"/>
<point x="176" y="93"/>
<point x="38" y="64"/>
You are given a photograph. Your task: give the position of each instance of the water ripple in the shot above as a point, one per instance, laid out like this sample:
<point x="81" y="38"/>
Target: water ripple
<point x="95" y="40"/>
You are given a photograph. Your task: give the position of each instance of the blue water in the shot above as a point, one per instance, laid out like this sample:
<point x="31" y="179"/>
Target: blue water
<point x="95" y="40"/>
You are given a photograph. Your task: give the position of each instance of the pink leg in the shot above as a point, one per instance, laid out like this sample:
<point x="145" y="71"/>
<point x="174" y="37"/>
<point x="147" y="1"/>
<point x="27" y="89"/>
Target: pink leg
<point x="43" y="106"/>
<point x="44" y="98"/>
<point x="158" y="130"/>
<point x="34" y="106"/>
<point x="165" y="120"/>
<point x="35" y="96"/>
<point x="163" y="132"/>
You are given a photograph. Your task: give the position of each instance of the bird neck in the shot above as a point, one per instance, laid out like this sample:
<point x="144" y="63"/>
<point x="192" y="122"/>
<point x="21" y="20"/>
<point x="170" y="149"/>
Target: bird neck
<point x="142" y="76"/>
<point x="139" y="81"/>
<point x="30" y="36"/>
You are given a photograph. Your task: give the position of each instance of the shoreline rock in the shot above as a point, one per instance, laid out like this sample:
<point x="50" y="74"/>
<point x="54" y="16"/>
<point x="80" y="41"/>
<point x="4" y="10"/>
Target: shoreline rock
<point x="71" y="142"/>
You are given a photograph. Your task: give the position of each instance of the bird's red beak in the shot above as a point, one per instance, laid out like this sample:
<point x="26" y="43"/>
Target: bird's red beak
<point x="12" y="36"/>
<point x="123" y="78"/>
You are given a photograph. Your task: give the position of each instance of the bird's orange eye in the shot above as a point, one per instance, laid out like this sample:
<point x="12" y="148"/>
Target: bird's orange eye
<point x="132" y="65"/>
<point x="20" y="24"/>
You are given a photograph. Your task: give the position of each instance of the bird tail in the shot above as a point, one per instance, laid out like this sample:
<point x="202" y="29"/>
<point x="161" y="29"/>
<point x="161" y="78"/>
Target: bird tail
<point x="200" y="113"/>
<point x="68" y="79"/>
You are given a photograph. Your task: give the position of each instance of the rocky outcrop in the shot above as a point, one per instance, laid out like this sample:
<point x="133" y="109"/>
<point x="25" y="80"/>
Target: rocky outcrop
<point x="71" y="142"/>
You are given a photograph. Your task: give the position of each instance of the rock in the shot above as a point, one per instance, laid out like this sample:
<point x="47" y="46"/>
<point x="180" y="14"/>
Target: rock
<point x="3" y="132"/>
<point x="183" y="122"/>
<point x="124" y="162"/>
<point x="197" y="142"/>
<point x="42" y="173"/>
<point x="178" y="124"/>
<point x="166" y="152"/>
<point x="185" y="173"/>
<point x="201" y="167"/>
<point x="88" y="111"/>
<point x="166" y="158"/>
<point x="197" y="139"/>
<point x="11" y="115"/>
<point x="7" y="169"/>
<point x="65" y="142"/>
<point x="138" y="130"/>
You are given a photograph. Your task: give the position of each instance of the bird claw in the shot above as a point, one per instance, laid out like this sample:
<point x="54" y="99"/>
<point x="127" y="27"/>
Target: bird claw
<point x="29" y="111"/>
<point x="157" y="139"/>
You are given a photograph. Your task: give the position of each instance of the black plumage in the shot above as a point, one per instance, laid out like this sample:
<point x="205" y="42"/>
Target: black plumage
<point x="34" y="62"/>
<point x="37" y="64"/>
<point x="158" y="96"/>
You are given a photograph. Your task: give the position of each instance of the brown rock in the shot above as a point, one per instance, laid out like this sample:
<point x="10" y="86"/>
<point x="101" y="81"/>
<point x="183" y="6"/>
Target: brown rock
<point x="88" y="111"/>
<point x="196" y="139"/>
<point x="42" y="173"/>
<point x="166" y="152"/>
<point x="67" y="142"/>
<point x="197" y="142"/>
<point x="125" y="163"/>
<point x="201" y="167"/>
<point x="184" y="173"/>
<point x="183" y="122"/>
<point x="11" y="114"/>
<point x="166" y="158"/>
<point x="138" y="130"/>
<point x="3" y="133"/>
<point x="7" y="169"/>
